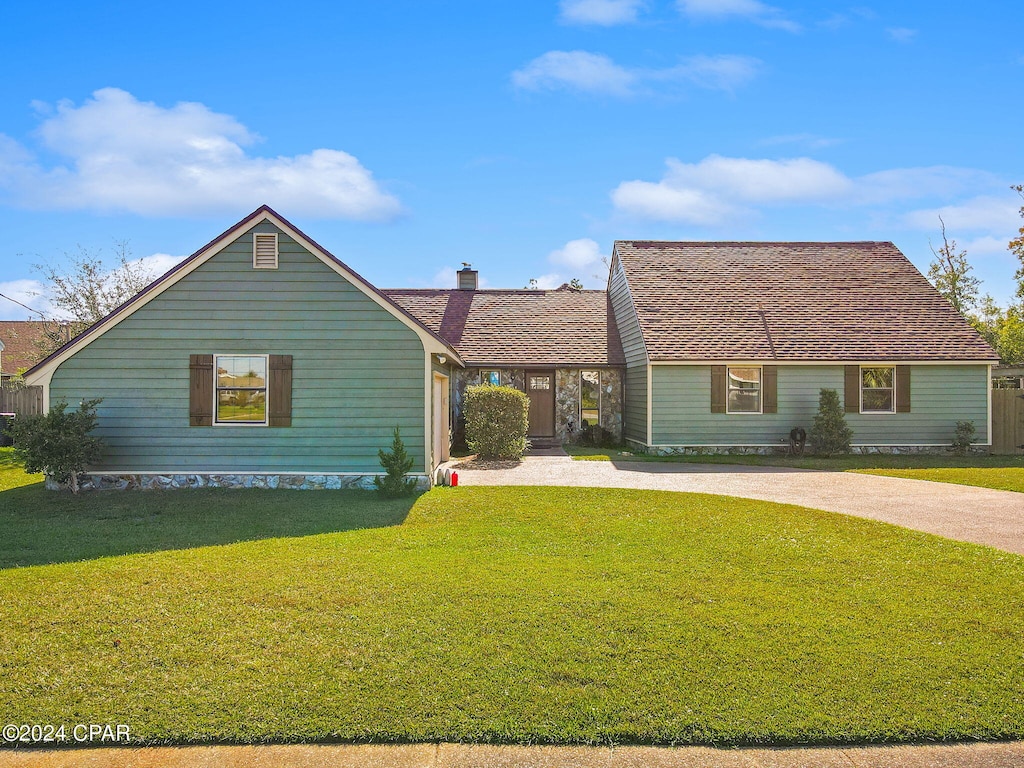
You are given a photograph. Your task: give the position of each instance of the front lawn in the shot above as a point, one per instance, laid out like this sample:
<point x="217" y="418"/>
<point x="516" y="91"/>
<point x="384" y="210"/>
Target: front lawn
<point x="1004" y="473"/>
<point x="502" y="614"/>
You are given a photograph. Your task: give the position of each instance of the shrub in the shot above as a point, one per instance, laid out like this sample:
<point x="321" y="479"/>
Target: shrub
<point x="830" y="435"/>
<point x="963" y="438"/>
<point x="58" y="443"/>
<point x="496" y="421"/>
<point x="397" y="464"/>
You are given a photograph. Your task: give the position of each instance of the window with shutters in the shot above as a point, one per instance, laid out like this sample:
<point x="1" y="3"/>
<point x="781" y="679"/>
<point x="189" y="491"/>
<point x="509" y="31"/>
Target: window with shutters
<point x="264" y="250"/>
<point x="878" y="389"/>
<point x="744" y="390"/>
<point x="241" y="389"/>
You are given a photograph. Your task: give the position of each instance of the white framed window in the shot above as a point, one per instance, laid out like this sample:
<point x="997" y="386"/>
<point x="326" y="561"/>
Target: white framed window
<point x="490" y="377"/>
<point x="240" y="389"/>
<point x="743" y="390"/>
<point x="590" y="398"/>
<point x="878" y="389"/>
<point x="264" y="250"/>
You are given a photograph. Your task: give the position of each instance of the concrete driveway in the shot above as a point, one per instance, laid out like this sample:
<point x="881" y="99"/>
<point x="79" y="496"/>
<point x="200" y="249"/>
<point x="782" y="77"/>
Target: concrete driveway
<point x="979" y="515"/>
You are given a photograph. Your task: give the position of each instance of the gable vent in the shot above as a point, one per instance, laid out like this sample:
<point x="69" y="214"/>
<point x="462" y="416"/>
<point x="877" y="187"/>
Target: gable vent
<point x="264" y="250"/>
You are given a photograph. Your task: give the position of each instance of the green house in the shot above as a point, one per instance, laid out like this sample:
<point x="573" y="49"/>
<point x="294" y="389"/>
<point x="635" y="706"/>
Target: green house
<point x="727" y="346"/>
<point x="259" y="360"/>
<point x="262" y="360"/>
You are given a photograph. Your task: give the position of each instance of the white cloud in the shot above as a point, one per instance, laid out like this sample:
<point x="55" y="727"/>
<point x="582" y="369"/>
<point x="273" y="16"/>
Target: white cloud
<point x="575" y="70"/>
<point x="605" y="13"/>
<point x="577" y="254"/>
<point x="750" y="10"/>
<point x="977" y="214"/>
<point x="445" y="277"/>
<point x="901" y="34"/>
<point x="28" y="292"/>
<point x="550" y="282"/>
<point x="718" y="189"/>
<point x="122" y="154"/>
<point x="597" y="74"/>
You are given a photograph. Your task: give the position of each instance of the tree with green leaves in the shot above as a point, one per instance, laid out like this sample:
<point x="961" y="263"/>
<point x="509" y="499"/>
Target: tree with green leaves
<point x="397" y="463"/>
<point x="58" y="443"/>
<point x="950" y="273"/>
<point x="830" y="434"/>
<point x="83" y="290"/>
<point x="1016" y="247"/>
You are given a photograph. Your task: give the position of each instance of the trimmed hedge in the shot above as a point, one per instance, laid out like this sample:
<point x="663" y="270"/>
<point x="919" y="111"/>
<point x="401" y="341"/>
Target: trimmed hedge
<point x="496" y="421"/>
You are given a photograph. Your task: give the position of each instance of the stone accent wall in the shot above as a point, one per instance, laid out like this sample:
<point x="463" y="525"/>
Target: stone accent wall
<point x="148" y="482"/>
<point x="567" y="404"/>
<point x="611" y="401"/>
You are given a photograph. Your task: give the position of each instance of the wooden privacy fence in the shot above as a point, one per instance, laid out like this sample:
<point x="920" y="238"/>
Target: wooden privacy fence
<point x="24" y="401"/>
<point x="1007" y="421"/>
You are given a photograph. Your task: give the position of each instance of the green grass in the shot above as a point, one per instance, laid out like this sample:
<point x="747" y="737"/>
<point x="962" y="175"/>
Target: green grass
<point x="500" y="614"/>
<point x="1000" y="472"/>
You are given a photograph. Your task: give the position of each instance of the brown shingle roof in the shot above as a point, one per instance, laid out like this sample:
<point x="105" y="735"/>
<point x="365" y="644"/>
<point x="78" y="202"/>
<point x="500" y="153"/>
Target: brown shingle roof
<point x="519" y="327"/>
<point x="820" y="301"/>
<point x="21" y="345"/>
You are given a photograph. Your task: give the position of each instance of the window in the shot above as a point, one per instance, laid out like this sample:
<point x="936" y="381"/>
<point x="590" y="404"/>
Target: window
<point x="590" y="398"/>
<point x="264" y="250"/>
<point x="744" y="390"/>
<point x="241" y="396"/>
<point x="490" y="377"/>
<point x="540" y="382"/>
<point x="878" y="390"/>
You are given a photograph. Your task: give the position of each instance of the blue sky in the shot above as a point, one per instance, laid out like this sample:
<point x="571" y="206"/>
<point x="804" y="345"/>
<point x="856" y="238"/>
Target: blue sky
<point x="524" y="137"/>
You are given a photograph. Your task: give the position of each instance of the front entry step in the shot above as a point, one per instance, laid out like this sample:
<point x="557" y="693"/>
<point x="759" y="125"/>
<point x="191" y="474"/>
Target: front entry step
<point x="544" y="442"/>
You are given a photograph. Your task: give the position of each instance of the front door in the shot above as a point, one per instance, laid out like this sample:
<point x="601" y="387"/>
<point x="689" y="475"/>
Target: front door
<point x="540" y="387"/>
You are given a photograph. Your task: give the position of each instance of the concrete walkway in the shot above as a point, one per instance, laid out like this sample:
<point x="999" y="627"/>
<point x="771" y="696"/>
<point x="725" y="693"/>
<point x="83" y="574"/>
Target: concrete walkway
<point x="1000" y="755"/>
<point x="979" y="515"/>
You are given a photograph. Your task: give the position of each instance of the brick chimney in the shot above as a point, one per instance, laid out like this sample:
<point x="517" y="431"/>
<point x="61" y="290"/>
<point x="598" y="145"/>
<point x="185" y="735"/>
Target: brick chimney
<point x="468" y="278"/>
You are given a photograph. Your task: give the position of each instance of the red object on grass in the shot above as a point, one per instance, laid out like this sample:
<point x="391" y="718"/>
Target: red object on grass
<point x="455" y="479"/>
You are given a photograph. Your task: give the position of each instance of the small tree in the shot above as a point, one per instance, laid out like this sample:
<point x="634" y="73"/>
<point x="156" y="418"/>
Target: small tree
<point x="58" y="443"/>
<point x="963" y="438"/>
<point x="397" y="464"/>
<point x="496" y="421"/>
<point x="830" y="435"/>
<point x="950" y="273"/>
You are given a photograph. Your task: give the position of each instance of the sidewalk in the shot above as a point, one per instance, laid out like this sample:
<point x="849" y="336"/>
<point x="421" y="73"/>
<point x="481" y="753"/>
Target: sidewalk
<point x="982" y="755"/>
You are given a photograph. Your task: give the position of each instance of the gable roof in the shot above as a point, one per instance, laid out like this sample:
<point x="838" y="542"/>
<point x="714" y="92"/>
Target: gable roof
<point x="790" y="301"/>
<point x="432" y="342"/>
<point x="516" y="328"/>
<point x="19" y="340"/>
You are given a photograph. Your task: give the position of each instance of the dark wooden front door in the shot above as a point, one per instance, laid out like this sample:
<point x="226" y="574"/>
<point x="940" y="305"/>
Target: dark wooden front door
<point x="540" y="386"/>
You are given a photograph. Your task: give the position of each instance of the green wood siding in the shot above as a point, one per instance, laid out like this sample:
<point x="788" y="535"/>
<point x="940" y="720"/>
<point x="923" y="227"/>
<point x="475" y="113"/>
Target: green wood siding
<point x="357" y="370"/>
<point x="634" y="417"/>
<point x="940" y="396"/>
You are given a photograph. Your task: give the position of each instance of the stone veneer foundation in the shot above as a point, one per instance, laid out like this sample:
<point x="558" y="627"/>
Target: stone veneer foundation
<point x="783" y="449"/>
<point x="155" y="482"/>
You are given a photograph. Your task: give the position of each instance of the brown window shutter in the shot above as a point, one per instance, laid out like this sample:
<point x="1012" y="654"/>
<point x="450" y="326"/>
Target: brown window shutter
<point x="902" y="389"/>
<point x="769" y="389"/>
<point x="852" y="395"/>
<point x="200" y="396"/>
<point x="280" y="391"/>
<point x="718" y="391"/>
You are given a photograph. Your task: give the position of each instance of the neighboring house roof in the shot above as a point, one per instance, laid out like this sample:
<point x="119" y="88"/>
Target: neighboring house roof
<point x="791" y="301"/>
<point x="519" y="327"/>
<point x="42" y="370"/>
<point x="20" y="339"/>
